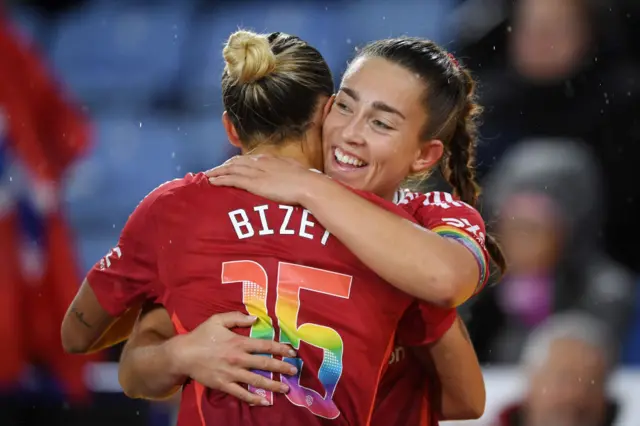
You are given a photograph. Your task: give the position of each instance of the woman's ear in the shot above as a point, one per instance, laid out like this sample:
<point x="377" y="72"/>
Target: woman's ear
<point x="428" y="156"/>
<point x="327" y="107"/>
<point x="230" y="129"/>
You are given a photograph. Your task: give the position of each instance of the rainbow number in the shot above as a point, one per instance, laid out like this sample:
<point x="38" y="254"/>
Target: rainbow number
<point x="291" y="279"/>
<point x="254" y="296"/>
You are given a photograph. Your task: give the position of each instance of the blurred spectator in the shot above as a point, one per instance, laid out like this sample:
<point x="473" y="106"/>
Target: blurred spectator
<point x="568" y="361"/>
<point x="565" y="70"/>
<point x="547" y="198"/>
<point x="40" y="136"/>
<point x="553" y="40"/>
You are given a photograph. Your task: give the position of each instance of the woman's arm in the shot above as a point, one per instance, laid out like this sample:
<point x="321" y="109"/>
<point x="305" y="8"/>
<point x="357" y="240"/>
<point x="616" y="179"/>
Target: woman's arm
<point x="415" y="260"/>
<point x="455" y="380"/>
<point x="155" y="362"/>
<point x="87" y="327"/>
<point x="147" y="364"/>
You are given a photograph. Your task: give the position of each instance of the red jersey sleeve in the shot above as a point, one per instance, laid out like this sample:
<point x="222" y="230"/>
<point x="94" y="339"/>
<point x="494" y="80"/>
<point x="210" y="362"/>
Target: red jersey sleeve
<point x="454" y="219"/>
<point x="423" y="324"/>
<point x="129" y="272"/>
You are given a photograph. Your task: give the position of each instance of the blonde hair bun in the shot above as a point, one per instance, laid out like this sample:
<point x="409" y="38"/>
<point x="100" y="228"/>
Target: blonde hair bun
<point x="248" y="57"/>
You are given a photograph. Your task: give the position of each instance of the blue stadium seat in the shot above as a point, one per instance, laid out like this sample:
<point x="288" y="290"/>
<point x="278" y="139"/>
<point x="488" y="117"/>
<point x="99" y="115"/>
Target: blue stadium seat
<point x="403" y="17"/>
<point x="129" y="159"/>
<point x="204" y="145"/>
<point x="108" y="48"/>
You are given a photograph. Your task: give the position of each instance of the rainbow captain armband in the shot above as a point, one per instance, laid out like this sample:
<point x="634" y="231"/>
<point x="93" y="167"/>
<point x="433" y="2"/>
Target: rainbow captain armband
<point x="473" y="244"/>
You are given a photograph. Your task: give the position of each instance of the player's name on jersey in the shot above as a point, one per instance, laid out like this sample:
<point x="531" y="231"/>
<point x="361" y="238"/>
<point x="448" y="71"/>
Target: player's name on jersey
<point x="267" y="219"/>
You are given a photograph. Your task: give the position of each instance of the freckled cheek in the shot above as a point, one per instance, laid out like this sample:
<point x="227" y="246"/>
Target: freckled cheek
<point x="384" y="168"/>
<point x="384" y="157"/>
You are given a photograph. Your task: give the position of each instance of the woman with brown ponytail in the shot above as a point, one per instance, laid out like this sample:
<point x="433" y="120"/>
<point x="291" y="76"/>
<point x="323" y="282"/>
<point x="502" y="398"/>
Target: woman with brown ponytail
<point x="405" y="105"/>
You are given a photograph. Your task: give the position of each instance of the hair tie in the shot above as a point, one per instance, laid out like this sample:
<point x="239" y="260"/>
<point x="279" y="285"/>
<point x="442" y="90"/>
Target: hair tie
<point x="454" y="60"/>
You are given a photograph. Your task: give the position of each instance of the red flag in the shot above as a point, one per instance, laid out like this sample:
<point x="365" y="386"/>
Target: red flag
<point x="44" y="133"/>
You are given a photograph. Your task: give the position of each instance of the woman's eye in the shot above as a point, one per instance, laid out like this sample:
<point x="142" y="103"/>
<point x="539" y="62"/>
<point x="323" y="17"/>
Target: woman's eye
<point x="382" y="125"/>
<point x="342" y="106"/>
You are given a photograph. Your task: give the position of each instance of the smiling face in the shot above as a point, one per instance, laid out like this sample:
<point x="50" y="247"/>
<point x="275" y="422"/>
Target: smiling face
<point x="372" y="135"/>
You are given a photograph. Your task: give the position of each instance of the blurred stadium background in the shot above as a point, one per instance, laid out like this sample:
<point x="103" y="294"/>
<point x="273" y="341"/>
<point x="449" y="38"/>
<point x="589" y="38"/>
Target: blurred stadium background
<point x="146" y="75"/>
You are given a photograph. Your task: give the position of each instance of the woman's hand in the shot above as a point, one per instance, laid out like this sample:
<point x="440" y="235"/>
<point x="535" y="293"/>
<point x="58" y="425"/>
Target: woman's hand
<point x="279" y="179"/>
<point x="220" y="359"/>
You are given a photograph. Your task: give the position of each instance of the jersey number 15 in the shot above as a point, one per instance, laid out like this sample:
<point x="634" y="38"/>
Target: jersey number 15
<point x="291" y="279"/>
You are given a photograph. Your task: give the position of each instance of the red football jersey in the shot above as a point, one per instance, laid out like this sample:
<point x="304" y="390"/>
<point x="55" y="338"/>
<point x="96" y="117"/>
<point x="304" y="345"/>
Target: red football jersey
<point x="217" y="250"/>
<point x="403" y="396"/>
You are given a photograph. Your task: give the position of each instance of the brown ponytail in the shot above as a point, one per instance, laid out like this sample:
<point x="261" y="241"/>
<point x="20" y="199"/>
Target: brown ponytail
<point x="459" y="169"/>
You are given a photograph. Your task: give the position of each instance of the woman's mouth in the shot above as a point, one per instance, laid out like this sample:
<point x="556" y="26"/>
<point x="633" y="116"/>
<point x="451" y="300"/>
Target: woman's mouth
<point x="347" y="161"/>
